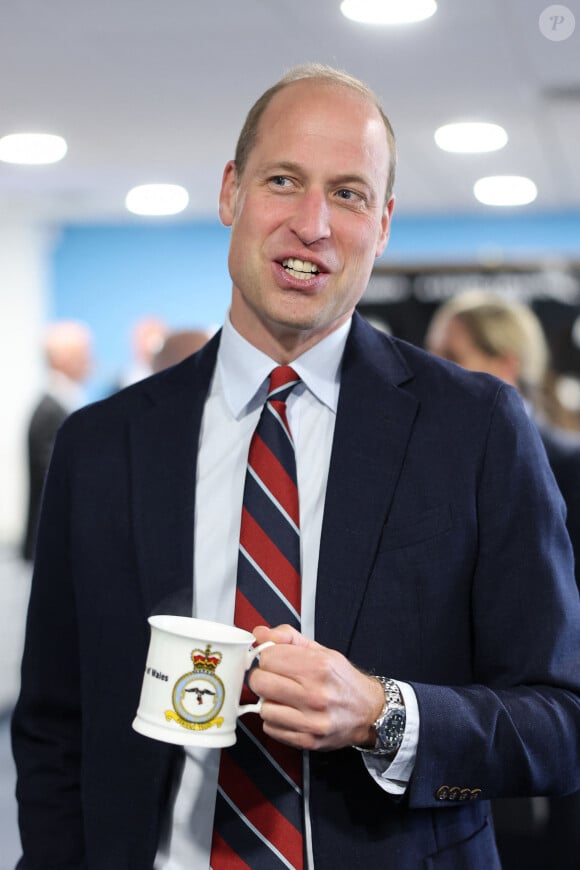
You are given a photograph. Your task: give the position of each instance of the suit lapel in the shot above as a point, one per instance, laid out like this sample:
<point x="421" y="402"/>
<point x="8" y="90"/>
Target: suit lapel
<point x="164" y="445"/>
<point x="373" y="426"/>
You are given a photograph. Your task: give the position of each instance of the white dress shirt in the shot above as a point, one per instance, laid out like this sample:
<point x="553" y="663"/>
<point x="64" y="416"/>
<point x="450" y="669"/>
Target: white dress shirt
<point x="231" y="412"/>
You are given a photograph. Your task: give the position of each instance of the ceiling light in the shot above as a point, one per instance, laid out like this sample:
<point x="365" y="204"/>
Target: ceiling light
<point x="471" y="137"/>
<point x="157" y="199"/>
<point x="388" y="11"/>
<point x="32" y="148"/>
<point x="505" y="190"/>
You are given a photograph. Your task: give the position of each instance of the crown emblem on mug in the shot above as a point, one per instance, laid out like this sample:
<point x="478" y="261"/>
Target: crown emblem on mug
<point x="205" y="660"/>
<point x="198" y="696"/>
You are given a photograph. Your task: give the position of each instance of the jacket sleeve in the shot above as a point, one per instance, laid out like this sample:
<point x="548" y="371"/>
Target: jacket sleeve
<point x="46" y="725"/>
<point x="516" y="729"/>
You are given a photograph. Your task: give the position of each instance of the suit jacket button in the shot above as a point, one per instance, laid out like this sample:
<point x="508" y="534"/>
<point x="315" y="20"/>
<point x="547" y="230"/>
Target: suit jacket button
<point x="454" y="793"/>
<point x="442" y="793"/>
<point x="475" y="793"/>
<point x="464" y="794"/>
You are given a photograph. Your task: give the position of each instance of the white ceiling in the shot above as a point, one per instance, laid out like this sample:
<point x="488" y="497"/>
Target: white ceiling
<point x="156" y="90"/>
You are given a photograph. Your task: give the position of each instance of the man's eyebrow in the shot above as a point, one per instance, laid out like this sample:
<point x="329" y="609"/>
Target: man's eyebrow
<point x="350" y="179"/>
<point x="280" y="167"/>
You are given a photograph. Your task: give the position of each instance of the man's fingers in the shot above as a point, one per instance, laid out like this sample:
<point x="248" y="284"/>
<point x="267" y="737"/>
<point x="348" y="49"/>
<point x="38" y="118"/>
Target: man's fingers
<point x="282" y="634"/>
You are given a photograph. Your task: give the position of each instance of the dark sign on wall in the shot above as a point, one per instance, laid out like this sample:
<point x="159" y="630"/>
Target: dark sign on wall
<point x="403" y="301"/>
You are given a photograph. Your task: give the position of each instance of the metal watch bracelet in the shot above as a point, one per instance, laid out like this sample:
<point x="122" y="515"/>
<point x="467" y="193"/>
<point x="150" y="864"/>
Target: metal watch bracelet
<point x="390" y="724"/>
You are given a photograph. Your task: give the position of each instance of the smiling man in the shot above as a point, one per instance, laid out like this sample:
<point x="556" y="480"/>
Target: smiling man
<point x="309" y="215"/>
<point x="399" y="536"/>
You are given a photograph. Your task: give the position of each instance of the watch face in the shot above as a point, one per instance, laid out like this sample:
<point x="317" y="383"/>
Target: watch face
<point x="391" y="730"/>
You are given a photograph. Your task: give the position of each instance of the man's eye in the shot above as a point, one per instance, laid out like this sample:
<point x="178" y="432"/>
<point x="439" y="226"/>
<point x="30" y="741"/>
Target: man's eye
<point x="280" y="181"/>
<point x="349" y="195"/>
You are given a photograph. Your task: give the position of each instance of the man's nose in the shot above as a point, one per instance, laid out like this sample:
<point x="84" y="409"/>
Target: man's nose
<point x="310" y="220"/>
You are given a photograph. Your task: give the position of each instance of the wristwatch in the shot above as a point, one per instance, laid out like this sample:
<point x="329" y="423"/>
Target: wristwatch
<point x="390" y="725"/>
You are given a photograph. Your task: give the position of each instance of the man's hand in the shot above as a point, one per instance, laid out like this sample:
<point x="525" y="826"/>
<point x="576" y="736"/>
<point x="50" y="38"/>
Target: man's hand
<point x="313" y="697"/>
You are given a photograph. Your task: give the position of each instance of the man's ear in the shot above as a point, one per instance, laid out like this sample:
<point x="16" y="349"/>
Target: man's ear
<point x="385" y="227"/>
<point x="228" y="194"/>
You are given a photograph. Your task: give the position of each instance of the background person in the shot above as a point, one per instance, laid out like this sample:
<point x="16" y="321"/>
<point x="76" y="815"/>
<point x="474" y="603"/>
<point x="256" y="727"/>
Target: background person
<point x="67" y="348"/>
<point x="177" y="345"/>
<point x="433" y="550"/>
<point x="148" y="334"/>
<point x="485" y="332"/>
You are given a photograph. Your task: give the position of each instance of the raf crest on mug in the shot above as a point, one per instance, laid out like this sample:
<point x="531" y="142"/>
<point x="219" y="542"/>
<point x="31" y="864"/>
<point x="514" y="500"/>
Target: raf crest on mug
<point x="198" y="696"/>
<point x="193" y="681"/>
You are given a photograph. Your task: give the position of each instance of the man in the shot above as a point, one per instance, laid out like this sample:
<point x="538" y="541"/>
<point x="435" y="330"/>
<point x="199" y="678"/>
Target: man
<point x="67" y="349"/>
<point x="434" y="554"/>
<point x="148" y="335"/>
<point x="178" y="345"/>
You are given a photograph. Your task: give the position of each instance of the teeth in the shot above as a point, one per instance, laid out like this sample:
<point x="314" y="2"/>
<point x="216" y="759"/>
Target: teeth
<point x="300" y="268"/>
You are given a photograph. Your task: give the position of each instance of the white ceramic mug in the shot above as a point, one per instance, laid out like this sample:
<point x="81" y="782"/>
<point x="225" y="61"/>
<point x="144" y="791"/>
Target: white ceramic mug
<point x="193" y="681"/>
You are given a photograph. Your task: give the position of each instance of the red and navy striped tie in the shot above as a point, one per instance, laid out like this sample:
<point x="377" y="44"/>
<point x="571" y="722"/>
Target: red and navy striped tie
<point x="258" y="817"/>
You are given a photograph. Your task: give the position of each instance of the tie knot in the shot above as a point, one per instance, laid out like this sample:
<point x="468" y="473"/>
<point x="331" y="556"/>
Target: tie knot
<point x="283" y="379"/>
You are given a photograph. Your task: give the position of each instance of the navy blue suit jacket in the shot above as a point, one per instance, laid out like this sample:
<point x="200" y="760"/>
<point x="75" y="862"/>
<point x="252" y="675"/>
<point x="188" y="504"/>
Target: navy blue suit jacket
<point x="563" y="452"/>
<point x="444" y="561"/>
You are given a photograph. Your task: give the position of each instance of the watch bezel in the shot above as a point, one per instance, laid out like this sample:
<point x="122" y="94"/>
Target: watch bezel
<point x="390" y="729"/>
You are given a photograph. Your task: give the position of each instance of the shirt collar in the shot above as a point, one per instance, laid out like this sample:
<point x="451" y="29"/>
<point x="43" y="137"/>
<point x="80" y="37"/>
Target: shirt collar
<point x="243" y="369"/>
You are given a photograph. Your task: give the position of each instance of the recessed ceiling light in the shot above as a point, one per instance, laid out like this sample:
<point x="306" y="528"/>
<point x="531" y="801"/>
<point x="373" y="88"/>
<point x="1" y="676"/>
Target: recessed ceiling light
<point x="471" y="137"/>
<point x="505" y="190"/>
<point x="388" y="11"/>
<point x="157" y="199"/>
<point x="32" y="148"/>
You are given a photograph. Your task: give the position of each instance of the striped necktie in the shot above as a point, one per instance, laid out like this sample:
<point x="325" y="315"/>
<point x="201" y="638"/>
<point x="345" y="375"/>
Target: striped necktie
<point x="258" y="818"/>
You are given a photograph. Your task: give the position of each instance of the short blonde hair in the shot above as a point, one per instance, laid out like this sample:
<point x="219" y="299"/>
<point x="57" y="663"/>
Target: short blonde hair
<point x="500" y="327"/>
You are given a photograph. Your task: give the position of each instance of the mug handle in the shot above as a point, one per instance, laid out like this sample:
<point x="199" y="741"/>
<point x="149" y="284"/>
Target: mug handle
<point x="252" y="653"/>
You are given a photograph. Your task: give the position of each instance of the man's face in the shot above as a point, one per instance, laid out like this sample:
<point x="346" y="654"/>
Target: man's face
<point x="308" y="216"/>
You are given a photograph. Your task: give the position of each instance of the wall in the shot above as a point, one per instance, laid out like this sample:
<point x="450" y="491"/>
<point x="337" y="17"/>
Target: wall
<point x="24" y="266"/>
<point x="502" y="235"/>
<point x="110" y="276"/>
